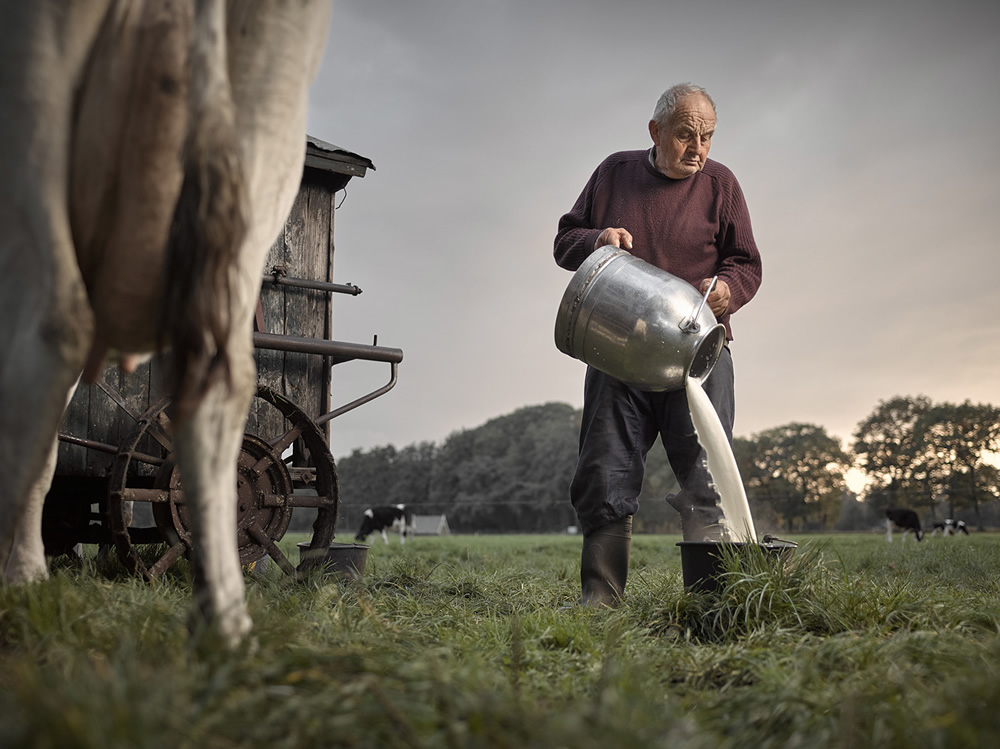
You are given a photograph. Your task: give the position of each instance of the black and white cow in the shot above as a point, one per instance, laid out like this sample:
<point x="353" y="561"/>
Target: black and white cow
<point x="950" y="527"/>
<point x="387" y="517"/>
<point x="904" y="520"/>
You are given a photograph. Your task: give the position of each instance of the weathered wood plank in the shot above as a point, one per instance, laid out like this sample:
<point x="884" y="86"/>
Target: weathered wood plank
<point x="147" y="389"/>
<point x="104" y="423"/>
<point x="72" y="459"/>
<point x="327" y="394"/>
<point x="135" y="391"/>
<point x="306" y="310"/>
<point x="270" y="364"/>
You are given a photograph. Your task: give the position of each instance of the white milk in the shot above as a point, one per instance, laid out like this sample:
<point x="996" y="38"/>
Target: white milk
<point x="738" y="524"/>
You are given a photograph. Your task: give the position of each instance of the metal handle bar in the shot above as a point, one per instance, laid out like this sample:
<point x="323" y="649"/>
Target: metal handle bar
<point x="278" y="279"/>
<point x="338" y="351"/>
<point x="690" y="325"/>
<point x="364" y="398"/>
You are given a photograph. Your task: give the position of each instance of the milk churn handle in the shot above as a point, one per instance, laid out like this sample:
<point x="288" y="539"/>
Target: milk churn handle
<point x="691" y="324"/>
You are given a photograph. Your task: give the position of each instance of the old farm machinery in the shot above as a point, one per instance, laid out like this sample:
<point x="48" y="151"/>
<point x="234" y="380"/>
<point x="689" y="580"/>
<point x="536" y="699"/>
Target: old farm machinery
<point x="116" y="484"/>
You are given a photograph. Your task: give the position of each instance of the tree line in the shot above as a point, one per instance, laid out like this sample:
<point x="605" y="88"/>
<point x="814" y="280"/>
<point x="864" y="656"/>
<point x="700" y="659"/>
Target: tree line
<point x="512" y="473"/>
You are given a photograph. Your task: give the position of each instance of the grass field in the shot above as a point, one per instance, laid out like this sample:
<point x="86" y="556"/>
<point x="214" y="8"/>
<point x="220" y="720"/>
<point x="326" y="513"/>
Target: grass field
<point x="468" y="641"/>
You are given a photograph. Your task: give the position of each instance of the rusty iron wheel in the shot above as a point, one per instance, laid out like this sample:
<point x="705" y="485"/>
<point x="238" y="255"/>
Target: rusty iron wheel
<point x="313" y="469"/>
<point x="266" y="492"/>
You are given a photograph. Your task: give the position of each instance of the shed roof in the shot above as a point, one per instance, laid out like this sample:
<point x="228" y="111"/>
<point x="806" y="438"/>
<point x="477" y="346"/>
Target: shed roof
<point x="330" y="158"/>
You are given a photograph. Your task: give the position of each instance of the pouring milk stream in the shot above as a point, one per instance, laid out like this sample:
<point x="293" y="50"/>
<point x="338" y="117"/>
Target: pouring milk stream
<point x="721" y="465"/>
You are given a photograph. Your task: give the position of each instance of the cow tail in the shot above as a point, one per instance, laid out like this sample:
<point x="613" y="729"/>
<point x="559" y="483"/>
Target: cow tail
<point x="209" y="224"/>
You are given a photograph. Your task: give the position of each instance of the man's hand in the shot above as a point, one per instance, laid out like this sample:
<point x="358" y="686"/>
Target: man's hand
<point x="718" y="300"/>
<point x="615" y="237"/>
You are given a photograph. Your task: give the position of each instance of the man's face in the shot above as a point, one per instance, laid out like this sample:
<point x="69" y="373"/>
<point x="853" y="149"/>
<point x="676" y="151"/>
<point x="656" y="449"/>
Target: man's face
<point x="682" y="144"/>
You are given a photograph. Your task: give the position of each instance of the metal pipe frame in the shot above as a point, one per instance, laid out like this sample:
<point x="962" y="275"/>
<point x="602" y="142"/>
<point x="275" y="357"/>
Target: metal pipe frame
<point x="337" y="351"/>
<point x="364" y="398"/>
<point x="278" y="279"/>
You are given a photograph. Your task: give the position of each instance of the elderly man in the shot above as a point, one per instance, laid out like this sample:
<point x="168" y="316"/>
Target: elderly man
<point x="675" y="208"/>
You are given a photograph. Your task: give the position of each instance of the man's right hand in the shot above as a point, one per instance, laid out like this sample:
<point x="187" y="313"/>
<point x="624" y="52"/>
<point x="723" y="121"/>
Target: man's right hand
<point x="615" y="237"/>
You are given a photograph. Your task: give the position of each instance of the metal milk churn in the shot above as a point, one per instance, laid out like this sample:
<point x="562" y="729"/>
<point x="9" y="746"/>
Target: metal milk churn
<point x="637" y="323"/>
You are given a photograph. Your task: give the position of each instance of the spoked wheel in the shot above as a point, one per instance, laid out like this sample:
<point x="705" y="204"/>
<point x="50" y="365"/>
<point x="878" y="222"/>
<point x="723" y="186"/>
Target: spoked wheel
<point x="306" y="456"/>
<point x="144" y="471"/>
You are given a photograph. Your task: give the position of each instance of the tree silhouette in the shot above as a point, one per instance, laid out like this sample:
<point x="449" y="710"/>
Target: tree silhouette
<point x="885" y="449"/>
<point x="951" y="443"/>
<point x="797" y="471"/>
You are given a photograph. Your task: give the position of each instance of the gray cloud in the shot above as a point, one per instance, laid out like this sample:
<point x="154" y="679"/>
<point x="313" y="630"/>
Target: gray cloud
<point x="863" y="136"/>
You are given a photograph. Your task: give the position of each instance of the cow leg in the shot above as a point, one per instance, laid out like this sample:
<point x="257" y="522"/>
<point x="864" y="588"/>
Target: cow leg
<point x="274" y="51"/>
<point x="45" y="320"/>
<point x="43" y="352"/>
<point x="207" y="445"/>
<point x="385" y="537"/>
<point x="27" y="555"/>
<point x="888" y="530"/>
<point x="26" y="552"/>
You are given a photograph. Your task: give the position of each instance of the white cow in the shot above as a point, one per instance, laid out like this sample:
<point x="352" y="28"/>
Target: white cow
<point x="150" y="151"/>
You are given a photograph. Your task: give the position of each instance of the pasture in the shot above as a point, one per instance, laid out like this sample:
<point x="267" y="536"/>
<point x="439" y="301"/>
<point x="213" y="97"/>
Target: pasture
<point x="469" y="641"/>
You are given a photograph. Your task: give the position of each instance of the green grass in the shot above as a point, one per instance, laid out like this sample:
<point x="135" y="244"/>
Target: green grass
<point x="475" y="642"/>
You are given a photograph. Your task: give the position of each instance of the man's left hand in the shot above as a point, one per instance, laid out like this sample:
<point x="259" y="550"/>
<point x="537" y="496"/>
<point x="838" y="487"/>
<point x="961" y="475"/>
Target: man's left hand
<point x="718" y="300"/>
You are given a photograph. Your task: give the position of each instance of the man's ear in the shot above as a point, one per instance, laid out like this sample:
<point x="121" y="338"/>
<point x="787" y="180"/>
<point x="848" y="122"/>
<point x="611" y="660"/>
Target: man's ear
<point x="654" y="132"/>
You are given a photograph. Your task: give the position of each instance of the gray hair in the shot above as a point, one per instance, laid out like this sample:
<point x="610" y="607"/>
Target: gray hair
<point x="667" y="102"/>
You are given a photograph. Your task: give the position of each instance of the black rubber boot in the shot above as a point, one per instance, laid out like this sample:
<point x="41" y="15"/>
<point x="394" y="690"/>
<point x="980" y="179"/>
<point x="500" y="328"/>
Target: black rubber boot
<point x="604" y="563"/>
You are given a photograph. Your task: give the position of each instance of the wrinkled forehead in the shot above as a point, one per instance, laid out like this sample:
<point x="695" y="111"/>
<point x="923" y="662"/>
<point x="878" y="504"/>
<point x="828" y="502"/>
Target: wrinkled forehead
<point x="694" y="111"/>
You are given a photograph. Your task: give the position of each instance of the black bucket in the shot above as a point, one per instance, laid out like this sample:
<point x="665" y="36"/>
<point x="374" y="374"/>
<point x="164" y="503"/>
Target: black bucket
<point x="344" y="560"/>
<point x="702" y="561"/>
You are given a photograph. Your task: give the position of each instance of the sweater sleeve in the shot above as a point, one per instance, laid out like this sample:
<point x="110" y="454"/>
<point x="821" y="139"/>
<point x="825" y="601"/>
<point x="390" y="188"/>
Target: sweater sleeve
<point x="739" y="260"/>
<point x="576" y="235"/>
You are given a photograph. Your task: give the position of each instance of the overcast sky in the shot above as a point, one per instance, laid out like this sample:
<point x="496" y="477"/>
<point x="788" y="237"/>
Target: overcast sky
<point x="864" y="135"/>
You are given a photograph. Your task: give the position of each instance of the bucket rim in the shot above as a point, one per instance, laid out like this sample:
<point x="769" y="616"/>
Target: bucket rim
<point x="336" y="545"/>
<point x="776" y="544"/>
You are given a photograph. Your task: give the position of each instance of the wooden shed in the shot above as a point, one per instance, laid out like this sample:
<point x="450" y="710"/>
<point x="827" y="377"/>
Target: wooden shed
<point x="305" y="250"/>
<point x="106" y="412"/>
<point x="113" y="431"/>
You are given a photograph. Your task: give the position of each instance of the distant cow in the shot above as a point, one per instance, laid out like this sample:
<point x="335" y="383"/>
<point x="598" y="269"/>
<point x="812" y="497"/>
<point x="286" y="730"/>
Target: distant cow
<point x="388" y="517"/>
<point x="904" y="520"/>
<point x="950" y="527"/>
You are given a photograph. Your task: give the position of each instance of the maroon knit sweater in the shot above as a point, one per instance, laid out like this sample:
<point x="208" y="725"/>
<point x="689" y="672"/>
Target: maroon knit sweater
<point x="694" y="228"/>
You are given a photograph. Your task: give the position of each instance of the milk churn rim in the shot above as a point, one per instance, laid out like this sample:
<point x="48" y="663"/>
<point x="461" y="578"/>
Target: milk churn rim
<point x="584" y="288"/>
